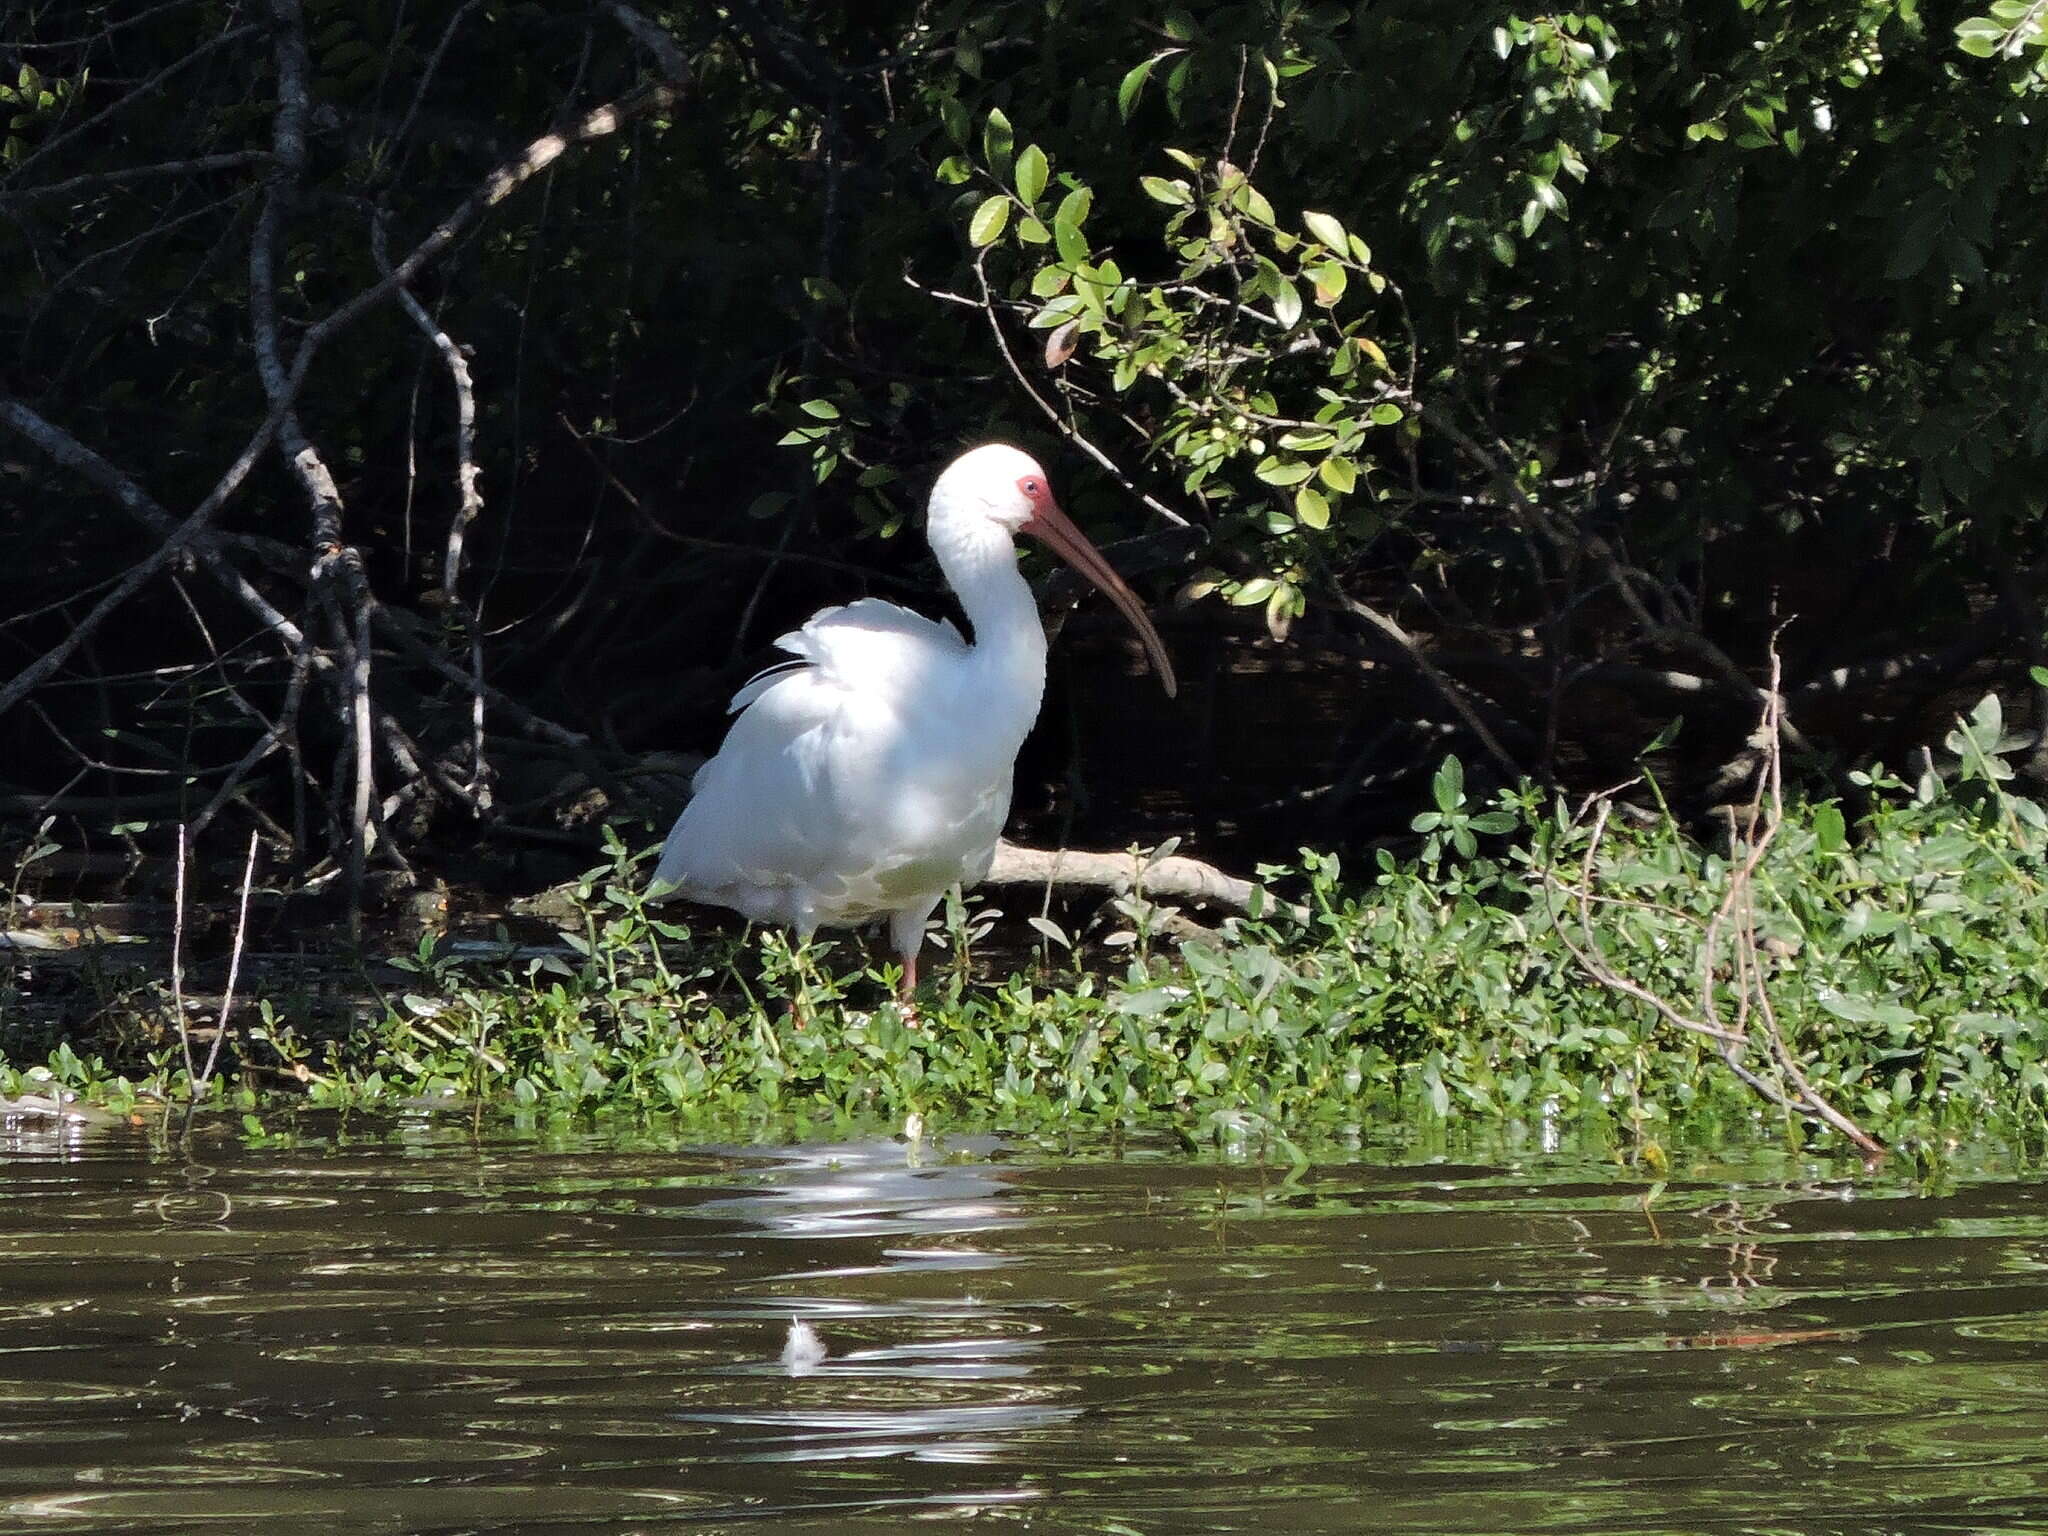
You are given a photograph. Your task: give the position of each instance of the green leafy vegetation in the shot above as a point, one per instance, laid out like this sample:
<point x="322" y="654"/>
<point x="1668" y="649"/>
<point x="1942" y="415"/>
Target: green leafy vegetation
<point x="1907" y="948"/>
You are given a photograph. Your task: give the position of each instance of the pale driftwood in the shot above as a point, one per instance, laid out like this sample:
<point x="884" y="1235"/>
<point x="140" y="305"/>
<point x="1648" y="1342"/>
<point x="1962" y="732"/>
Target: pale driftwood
<point x="1174" y="877"/>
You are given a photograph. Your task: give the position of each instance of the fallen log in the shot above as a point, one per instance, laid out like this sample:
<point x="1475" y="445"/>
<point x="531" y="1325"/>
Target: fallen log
<point x="1175" y="877"/>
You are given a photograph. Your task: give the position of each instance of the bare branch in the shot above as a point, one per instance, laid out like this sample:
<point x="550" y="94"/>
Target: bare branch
<point x="654" y="38"/>
<point x="68" y="451"/>
<point x="1755" y="1014"/>
<point x="193" y="167"/>
<point x="334" y="562"/>
<point x="1452" y="693"/>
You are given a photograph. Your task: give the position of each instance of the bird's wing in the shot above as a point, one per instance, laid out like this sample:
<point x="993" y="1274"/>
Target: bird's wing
<point x="859" y="645"/>
<point x="781" y="814"/>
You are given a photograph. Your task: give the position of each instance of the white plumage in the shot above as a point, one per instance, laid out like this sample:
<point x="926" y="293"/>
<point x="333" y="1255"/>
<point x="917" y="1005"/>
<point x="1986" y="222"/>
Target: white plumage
<point x="872" y="773"/>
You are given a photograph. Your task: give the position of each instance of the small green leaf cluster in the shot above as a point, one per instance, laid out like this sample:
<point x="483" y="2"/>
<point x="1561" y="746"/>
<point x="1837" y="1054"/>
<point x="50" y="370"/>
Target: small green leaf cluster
<point x="37" y="100"/>
<point x="2011" y="28"/>
<point x="1253" y="350"/>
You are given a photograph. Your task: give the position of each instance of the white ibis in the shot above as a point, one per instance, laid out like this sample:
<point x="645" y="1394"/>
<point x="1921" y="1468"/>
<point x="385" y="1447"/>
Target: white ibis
<point x="871" y="774"/>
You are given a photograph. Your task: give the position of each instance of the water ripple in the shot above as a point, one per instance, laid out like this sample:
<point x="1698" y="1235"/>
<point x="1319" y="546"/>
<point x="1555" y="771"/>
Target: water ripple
<point x="399" y="1329"/>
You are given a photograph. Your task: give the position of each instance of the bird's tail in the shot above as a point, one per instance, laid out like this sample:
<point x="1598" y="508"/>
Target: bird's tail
<point x="672" y="869"/>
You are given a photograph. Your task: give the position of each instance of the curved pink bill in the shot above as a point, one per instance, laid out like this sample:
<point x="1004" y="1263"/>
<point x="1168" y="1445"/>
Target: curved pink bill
<point x="1057" y="532"/>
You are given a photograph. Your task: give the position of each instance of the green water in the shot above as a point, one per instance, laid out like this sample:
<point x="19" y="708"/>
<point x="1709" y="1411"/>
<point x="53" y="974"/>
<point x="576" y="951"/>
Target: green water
<point x="400" y="1328"/>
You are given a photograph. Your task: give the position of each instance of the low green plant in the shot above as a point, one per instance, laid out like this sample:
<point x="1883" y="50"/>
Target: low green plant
<point x="1908" y="955"/>
<point x="1904" y="950"/>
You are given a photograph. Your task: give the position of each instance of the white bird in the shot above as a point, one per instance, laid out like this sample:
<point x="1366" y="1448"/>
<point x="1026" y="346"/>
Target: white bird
<point x="871" y="774"/>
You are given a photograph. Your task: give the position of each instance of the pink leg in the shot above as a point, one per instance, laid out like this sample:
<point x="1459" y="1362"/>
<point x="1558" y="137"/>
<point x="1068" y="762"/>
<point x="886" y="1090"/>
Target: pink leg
<point x="906" y="932"/>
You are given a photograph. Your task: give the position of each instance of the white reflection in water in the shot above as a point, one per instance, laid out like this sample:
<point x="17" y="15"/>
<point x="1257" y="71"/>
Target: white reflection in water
<point x="900" y="1397"/>
<point x="871" y="1189"/>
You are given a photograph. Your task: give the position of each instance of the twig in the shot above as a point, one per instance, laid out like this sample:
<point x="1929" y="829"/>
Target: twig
<point x="470" y="499"/>
<point x="1755" y="1016"/>
<point x="227" y="1001"/>
<point x="178" y="958"/>
<point x="1066" y="429"/>
<point x="654" y="38"/>
<point x="179" y="537"/>
<point x="1624" y="579"/>
<point x="1452" y="693"/>
<point x="192" y="167"/>
<point x="495" y="188"/>
<point x="153" y="84"/>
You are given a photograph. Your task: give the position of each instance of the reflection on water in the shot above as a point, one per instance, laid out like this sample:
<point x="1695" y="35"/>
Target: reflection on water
<point x="398" y="1328"/>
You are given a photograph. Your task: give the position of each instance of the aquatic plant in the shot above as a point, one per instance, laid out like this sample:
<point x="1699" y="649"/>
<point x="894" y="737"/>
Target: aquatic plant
<point x="1524" y="963"/>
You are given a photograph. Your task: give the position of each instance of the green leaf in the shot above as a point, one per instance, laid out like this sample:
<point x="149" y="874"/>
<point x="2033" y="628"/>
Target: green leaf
<point x="824" y="410"/>
<point x="1133" y="83"/>
<point x="1067" y="220"/>
<point x="1071" y="243"/>
<point x="1275" y="470"/>
<point x="1175" y="193"/>
<point x="1326" y="229"/>
<point x="1829" y="831"/>
<point x="996" y="141"/>
<point x="1385" y="414"/>
<point x="1330" y="281"/>
<point x="1062" y="309"/>
<point x="1915" y="247"/>
<point x="1448" y="787"/>
<point x="1286" y="304"/>
<point x="1032" y="172"/>
<point x="986" y="227"/>
<point x="1033" y="232"/>
<point x="953" y="170"/>
<point x="1340" y="475"/>
<point x="954" y="116"/>
<point x="1311" y="508"/>
<point x="1051" y="930"/>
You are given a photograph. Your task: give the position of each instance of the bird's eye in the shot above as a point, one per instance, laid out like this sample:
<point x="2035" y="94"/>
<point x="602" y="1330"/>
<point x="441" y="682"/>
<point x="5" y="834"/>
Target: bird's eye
<point x="1030" y="487"/>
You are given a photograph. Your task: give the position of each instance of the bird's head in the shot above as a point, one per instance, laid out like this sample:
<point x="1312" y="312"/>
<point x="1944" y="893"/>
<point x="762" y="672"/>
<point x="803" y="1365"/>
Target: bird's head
<point x="1005" y="487"/>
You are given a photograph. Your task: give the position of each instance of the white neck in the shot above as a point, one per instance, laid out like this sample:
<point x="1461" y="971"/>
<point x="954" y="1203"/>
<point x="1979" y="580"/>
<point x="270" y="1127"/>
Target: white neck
<point x="1007" y="659"/>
